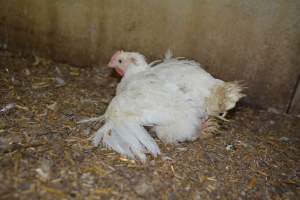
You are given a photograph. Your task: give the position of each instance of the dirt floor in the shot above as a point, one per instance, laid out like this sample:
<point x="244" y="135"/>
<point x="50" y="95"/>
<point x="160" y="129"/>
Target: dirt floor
<point x="45" y="154"/>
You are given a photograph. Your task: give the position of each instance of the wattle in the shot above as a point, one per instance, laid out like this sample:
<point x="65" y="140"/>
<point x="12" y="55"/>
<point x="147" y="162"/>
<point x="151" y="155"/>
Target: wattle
<point x="119" y="71"/>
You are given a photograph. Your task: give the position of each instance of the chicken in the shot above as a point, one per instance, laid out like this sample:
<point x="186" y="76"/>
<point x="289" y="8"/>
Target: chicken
<point x="172" y="98"/>
<point x="188" y="75"/>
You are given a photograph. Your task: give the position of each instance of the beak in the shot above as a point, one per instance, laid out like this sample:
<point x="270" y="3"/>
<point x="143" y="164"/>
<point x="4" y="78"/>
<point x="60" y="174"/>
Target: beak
<point x="110" y="64"/>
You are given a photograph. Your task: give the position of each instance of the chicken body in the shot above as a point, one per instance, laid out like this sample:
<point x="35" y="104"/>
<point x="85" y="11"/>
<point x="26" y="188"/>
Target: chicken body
<point x="146" y="99"/>
<point x="170" y="97"/>
<point x="188" y="75"/>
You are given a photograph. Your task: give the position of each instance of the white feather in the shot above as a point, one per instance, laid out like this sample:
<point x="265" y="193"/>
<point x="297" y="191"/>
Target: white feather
<point x="168" y="55"/>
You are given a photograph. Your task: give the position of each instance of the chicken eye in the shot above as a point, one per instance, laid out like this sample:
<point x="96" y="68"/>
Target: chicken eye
<point x="120" y="61"/>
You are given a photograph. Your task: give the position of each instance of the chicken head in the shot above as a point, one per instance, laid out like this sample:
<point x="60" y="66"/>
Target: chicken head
<point x="123" y="62"/>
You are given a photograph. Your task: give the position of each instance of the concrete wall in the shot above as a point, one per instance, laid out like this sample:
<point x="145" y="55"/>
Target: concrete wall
<point x="295" y="101"/>
<point x="257" y="41"/>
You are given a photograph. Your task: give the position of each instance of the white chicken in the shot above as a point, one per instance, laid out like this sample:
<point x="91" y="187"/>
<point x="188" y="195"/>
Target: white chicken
<point x="174" y="98"/>
<point x="188" y="75"/>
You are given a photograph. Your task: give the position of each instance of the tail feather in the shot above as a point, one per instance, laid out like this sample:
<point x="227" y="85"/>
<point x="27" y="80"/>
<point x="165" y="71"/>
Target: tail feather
<point x="233" y="93"/>
<point x="129" y="139"/>
<point x="224" y="97"/>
